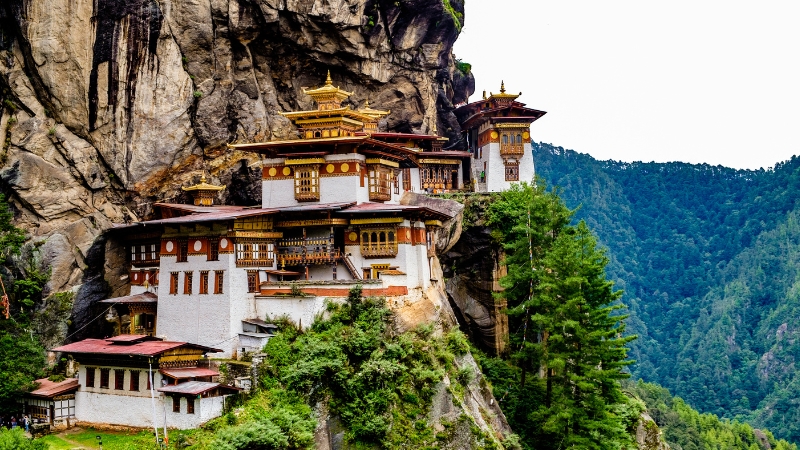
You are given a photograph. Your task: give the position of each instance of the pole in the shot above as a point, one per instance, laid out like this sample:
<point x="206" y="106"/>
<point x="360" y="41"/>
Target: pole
<point x="153" y="398"/>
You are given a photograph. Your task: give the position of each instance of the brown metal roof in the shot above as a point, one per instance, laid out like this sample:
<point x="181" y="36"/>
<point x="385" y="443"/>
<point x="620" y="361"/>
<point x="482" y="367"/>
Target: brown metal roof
<point x="189" y="372"/>
<point x="369" y="207"/>
<point x="131" y="338"/>
<point x="109" y="347"/>
<point x="145" y="297"/>
<point x="260" y="323"/>
<point x="194" y="387"/>
<point x="49" y="389"/>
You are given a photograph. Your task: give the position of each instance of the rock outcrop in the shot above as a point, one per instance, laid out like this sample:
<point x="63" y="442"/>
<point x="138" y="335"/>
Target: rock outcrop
<point x="109" y="105"/>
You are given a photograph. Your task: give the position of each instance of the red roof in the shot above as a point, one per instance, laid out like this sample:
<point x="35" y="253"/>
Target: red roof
<point x="131" y="338"/>
<point x="369" y="207"/>
<point x="194" y="387"/>
<point x="109" y="347"/>
<point x="49" y="389"/>
<point x="145" y="297"/>
<point x="189" y="372"/>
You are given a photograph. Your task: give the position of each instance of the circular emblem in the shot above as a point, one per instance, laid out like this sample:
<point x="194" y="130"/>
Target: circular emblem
<point x="135" y="276"/>
<point x="287" y="171"/>
<point x="197" y="246"/>
<point x="329" y="168"/>
<point x="353" y="236"/>
<point x="408" y="234"/>
<point x="345" y="167"/>
<point x="358" y="167"/>
<point x="526" y="135"/>
<point x="272" y="171"/>
<point x="223" y="243"/>
<point x="170" y="246"/>
<point x="494" y="135"/>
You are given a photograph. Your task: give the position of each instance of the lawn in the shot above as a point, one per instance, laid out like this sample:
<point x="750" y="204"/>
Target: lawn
<point x="112" y="440"/>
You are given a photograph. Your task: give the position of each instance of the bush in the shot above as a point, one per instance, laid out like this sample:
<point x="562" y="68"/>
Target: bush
<point x="15" y="440"/>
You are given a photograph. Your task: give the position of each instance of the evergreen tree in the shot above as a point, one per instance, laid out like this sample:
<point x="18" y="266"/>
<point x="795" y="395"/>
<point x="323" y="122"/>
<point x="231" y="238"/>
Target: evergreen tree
<point x="562" y="308"/>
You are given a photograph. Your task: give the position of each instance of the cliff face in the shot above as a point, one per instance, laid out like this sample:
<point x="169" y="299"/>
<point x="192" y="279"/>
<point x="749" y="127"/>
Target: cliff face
<point x="109" y="105"/>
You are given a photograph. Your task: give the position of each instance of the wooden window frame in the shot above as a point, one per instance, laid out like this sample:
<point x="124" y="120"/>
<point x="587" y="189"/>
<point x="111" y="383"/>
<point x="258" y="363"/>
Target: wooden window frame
<point x="213" y="250"/>
<point x="255" y="253"/>
<point x="133" y="383"/>
<point x="176" y="404"/>
<point x="90" y="376"/>
<point x="119" y="379"/>
<point x="183" y="250"/>
<point x="203" y="282"/>
<point x="252" y="281"/>
<point x="173" y="283"/>
<point x="511" y="172"/>
<point x="187" y="282"/>
<point x="104" y="378"/>
<point x="378" y="242"/>
<point x="189" y="405"/>
<point x="406" y="179"/>
<point x="306" y="183"/>
<point x="380" y="182"/>
<point x="219" y="281"/>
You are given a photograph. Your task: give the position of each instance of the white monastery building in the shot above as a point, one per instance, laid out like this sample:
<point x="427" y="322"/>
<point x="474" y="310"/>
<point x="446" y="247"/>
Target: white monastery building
<point x="208" y="278"/>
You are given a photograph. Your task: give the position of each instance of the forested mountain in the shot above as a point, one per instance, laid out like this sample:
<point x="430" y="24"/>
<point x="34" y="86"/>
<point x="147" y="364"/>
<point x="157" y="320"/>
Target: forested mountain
<point x="707" y="257"/>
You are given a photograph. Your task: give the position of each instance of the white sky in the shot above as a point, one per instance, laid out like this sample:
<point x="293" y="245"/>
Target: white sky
<point x="694" y="81"/>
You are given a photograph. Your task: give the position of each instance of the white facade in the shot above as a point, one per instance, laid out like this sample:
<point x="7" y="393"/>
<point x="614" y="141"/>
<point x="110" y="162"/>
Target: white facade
<point x="490" y="162"/>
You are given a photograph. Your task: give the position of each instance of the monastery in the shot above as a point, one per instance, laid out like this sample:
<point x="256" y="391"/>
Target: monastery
<point x="207" y="279"/>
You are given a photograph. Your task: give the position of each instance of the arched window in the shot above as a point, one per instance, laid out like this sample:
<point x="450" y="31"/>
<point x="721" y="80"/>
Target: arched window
<point x="317" y="134"/>
<point x="382" y="238"/>
<point x="519" y="139"/>
<point x="505" y="139"/>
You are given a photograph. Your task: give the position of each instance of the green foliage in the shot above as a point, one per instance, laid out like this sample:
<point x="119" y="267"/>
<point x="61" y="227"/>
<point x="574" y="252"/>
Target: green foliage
<point x="563" y="309"/>
<point x="463" y="67"/>
<point x="197" y="94"/>
<point x="15" y="440"/>
<point x="11" y="237"/>
<point x="708" y="259"/>
<point x="685" y="428"/>
<point x="458" y="18"/>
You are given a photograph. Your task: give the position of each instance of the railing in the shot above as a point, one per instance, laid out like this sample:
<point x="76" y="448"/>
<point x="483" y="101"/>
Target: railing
<point x="351" y="267"/>
<point x="262" y="262"/>
<point x="512" y="149"/>
<point x="306" y="196"/>
<point x="298" y="258"/>
<point x="381" y="195"/>
<point x="377" y="250"/>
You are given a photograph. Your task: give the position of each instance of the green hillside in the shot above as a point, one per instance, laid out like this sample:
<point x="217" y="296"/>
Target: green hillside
<point x="706" y="256"/>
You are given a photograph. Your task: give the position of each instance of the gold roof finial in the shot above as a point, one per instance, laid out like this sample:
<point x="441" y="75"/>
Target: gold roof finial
<point x="435" y="131"/>
<point x="484" y="94"/>
<point x="502" y="87"/>
<point x="328" y="81"/>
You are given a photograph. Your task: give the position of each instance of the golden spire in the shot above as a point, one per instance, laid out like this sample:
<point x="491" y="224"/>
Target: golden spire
<point x="375" y="114"/>
<point x="328" y="81"/>
<point x="203" y="192"/>
<point x="502" y="87"/>
<point x="435" y="131"/>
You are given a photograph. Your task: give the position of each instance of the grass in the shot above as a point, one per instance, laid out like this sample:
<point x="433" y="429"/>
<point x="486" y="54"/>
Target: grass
<point x="112" y="440"/>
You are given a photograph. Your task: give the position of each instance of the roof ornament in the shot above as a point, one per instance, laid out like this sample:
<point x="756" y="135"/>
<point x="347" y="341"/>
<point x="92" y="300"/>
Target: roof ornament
<point x="502" y="87"/>
<point x="328" y="81"/>
<point x="203" y="192"/>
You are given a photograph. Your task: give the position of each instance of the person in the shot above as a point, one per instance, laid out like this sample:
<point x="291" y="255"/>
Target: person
<point x="13" y="422"/>
<point x="483" y="176"/>
<point x="26" y="423"/>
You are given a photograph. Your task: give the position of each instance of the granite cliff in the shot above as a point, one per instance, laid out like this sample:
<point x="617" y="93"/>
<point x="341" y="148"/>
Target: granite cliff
<point x="110" y="105"/>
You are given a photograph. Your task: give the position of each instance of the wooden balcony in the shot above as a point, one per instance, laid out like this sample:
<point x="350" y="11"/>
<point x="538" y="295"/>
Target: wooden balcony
<point x="378" y="251"/>
<point x="512" y="149"/>
<point x="309" y="258"/>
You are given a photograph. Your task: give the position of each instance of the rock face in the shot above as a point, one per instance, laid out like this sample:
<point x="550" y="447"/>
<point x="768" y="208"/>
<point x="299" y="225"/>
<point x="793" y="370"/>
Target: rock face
<point x="109" y="105"/>
<point x="648" y="435"/>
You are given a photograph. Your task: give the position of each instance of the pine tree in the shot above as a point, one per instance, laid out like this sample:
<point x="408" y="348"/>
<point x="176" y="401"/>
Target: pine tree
<point x="563" y="311"/>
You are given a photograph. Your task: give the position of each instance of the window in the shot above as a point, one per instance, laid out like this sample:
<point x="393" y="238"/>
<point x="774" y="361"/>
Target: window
<point x="255" y="253"/>
<point x="183" y="250"/>
<point x="213" y="250"/>
<point x="204" y="282"/>
<point x="380" y="182"/>
<point x="145" y="253"/>
<point x="176" y="404"/>
<point x="90" y="377"/>
<point x="406" y="179"/>
<point x="306" y="183"/>
<point x="396" y="181"/>
<point x="189" y="405"/>
<point x="378" y="242"/>
<point x="173" y="283"/>
<point x="187" y="282"/>
<point x="219" y="276"/>
<point x="134" y="383"/>
<point x="252" y="280"/>
<point x="104" y="378"/>
<point x="505" y="138"/>
<point x="512" y="172"/>
<point x="119" y="379"/>
<point x="519" y="139"/>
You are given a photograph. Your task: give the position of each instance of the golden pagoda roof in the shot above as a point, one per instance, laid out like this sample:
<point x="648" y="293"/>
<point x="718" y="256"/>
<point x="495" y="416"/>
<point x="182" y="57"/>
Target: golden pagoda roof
<point x="344" y="111"/>
<point x="203" y="186"/>
<point x="502" y="94"/>
<point x="374" y="113"/>
<point x="327" y="91"/>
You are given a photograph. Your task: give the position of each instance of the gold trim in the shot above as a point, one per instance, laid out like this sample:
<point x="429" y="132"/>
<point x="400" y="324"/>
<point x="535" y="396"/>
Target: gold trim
<point x="433" y="223"/>
<point x="439" y="161"/>
<point x="310" y="222"/>
<point x="382" y="161"/>
<point x="512" y="125"/>
<point x="256" y="234"/>
<point x="297" y="162"/>
<point x="376" y="220"/>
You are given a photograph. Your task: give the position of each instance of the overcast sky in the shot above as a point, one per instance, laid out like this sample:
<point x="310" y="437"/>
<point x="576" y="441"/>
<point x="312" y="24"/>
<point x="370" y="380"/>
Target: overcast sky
<point x="694" y="81"/>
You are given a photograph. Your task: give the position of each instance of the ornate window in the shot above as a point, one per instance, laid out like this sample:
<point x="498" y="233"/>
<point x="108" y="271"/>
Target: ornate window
<point x="255" y="253"/>
<point x="378" y="242"/>
<point x="173" y="283"/>
<point x="380" y="182"/>
<point x="187" y="282"/>
<point x="306" y="183"/>
<point x="406" y="179"/>
<point x="219" y="278"/>
<point x="146" y="253"/>
<point x="183" y="250"/>
<point x="512" y="171"/>
<point x="213" y="250"/>
<point x="252" y="280"/>
<point x="511" y="144"/>
<point x="204" y="282"/>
